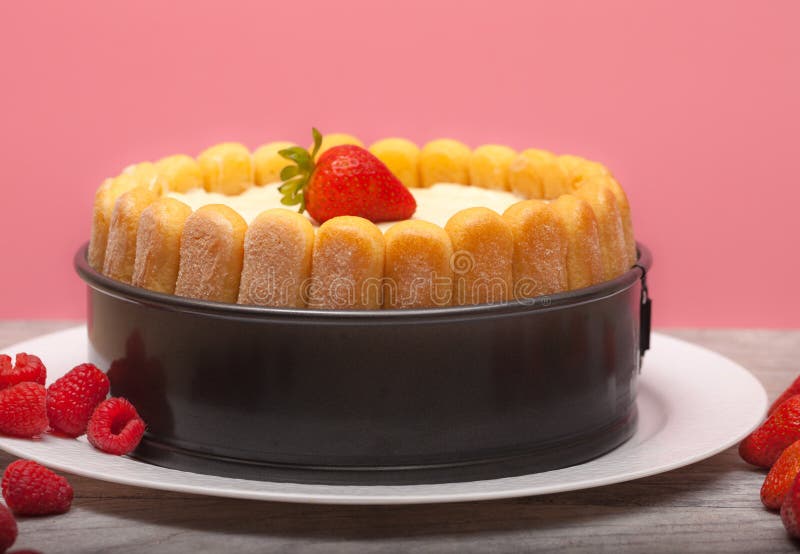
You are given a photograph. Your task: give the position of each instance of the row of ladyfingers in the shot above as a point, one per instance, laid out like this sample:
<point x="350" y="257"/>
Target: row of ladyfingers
<point x="230" y="167"/>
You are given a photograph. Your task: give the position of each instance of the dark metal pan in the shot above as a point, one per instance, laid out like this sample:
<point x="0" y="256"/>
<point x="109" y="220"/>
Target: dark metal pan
<point x="374" y="397"/>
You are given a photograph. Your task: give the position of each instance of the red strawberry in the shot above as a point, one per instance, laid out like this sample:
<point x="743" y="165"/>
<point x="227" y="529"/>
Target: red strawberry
<point x="22" y="410"/>
<point x="27" y="368"/>
<point x="790" y="509"/>
<point x="32" y="489"/>
<point x="780" y="477"/>
<point x="346" y="180"/>
<point x="72" y="399"/>
<point x="115" y="427"/>
<point x="8" y="529"/>
<point x="764" y="445"/>
<point x="793" y="389"/>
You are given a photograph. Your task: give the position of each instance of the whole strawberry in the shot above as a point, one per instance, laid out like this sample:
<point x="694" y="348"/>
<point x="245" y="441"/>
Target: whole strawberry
<point x="792" y="390"/>
<point x="764" y="445"/>
<point x="115" y="427"/>
<point x="32" y="489"/>
<point x="72" y="399"/>
<point x="8" y="529"/>
<point x="780" y="477"/>
<point x="22" y="410"/>
<point x="346" y="180"/>
<point x="27" y="367"/>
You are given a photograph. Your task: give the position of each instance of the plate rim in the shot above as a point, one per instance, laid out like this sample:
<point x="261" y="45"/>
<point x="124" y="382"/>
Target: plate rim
<point x="316" y="494"/>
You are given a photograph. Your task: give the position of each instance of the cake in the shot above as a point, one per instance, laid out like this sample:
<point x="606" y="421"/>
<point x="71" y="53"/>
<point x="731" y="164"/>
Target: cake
<point x="490" y="225"/>
<point x="333" y="245"/>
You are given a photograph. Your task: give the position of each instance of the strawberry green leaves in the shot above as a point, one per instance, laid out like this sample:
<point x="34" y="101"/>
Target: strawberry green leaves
<point x="295" y="177"/>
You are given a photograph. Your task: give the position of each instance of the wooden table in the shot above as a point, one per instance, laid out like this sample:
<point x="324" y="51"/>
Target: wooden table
<point x="712" y="506"/>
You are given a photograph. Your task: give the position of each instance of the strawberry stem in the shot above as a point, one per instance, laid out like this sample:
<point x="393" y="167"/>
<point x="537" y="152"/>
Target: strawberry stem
<point x="295" y="177"/>
<point x="317" y="142"/>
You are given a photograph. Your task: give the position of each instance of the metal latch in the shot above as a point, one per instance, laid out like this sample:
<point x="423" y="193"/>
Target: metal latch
<point x="645" y="315"/>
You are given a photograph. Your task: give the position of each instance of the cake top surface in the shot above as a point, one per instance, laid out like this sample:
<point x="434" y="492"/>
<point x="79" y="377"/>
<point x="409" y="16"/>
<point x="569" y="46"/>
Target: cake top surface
<point x="435" y="204"/>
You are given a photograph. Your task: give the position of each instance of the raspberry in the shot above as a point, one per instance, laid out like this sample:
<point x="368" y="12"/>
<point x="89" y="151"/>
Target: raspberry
<point x="23" y="412"/>
<point x="31" y="489"/>
<point x="28" y="368"/>
<point x="8" y="529"/>
<point x="72" y="399"/>
<point x="115" y="427"/>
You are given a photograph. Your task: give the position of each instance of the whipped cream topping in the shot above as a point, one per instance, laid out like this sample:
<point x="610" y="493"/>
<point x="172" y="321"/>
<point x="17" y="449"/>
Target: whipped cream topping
<point x="436" y="204"/>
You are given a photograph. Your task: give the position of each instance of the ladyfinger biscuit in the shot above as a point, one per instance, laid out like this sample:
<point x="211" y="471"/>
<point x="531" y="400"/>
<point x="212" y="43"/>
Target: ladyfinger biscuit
<point x="624" y="212"/>
<point x="537" y="174"/>
<point x="180" y="173"/>
<point x="488" y="166"/>
<point x="268" y="163"/>
<point x="401" y="156"/>
<point x="580" y="170"/>
<point x="104" y="200"/>
<point x="577" y="169"/>
<point x="584" y="260"/>
<point x="417" y="272"/>
<point x="336" y="139"/>
<point x="158" y="245"/>
<point x="483" y="248"/>
<point x="212" y="249"/>
<point x="444" y="161"/>
<point x="227" y="168"/>
<point x="347" y="265"/>
<point x="278" y="247"/>
<point x="146" y="175"/>
<point x="540" y="249"/>
<point x="609" y="225"/>
<point x="121" y="246"/>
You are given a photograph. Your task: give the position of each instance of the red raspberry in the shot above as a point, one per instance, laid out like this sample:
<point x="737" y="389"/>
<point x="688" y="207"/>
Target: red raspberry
<point x="28" y="368"/>
<point x="8" y="529"/>
<point x="72" y="399"/>
<point x="115" y="427"/>
<point x="23" y="412"/>
<point x="31" y="489"/>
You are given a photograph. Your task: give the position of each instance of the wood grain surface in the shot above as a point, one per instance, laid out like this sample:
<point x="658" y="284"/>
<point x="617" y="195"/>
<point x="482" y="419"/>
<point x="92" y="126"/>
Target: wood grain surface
<point x="711" y="506"/>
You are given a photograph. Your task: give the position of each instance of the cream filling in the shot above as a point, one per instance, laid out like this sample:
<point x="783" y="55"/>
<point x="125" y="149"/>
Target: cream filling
<point x="436" y="204"/>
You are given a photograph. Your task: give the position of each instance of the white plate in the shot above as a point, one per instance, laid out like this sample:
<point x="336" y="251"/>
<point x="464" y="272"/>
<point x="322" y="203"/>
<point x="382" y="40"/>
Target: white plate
<point x="693" y="403"/>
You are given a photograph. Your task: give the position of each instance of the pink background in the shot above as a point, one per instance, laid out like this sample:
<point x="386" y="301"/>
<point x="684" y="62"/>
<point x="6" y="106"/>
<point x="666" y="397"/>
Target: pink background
<point x="694" y="105"/>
